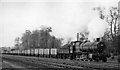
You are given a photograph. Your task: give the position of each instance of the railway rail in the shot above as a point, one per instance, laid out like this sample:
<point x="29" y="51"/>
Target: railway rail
<point x="36" y="62"/>
<point x="62" y="63"/>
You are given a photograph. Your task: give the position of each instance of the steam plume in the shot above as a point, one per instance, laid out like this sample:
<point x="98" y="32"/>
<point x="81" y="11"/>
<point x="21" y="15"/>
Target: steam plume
<point x="96" y="28"/>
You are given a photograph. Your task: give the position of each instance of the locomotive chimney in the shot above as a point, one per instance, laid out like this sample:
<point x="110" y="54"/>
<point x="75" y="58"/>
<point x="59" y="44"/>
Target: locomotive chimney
<point x="77" y="36"/>
<point x="97" y="39"/>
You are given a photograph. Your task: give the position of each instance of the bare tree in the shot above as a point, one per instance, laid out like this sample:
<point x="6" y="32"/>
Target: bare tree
<point x="17" y="43"/>
<point x="26" y="39"/>
<point x="111" y="19"/>
<point x="113" y="32"/>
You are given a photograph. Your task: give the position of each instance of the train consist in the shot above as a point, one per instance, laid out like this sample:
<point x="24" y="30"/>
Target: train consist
<point x="76" y="50"/>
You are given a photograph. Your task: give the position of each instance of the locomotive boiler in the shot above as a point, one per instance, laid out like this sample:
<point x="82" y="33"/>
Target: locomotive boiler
<point x="92" y="47"/>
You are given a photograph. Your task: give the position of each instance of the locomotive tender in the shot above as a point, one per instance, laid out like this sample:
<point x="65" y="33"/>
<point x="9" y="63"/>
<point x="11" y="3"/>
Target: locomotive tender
<point x="86" y="51"/>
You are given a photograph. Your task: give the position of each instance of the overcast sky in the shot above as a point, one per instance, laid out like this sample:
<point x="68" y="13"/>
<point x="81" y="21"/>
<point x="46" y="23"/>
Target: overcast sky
<point x="66" y="17"/>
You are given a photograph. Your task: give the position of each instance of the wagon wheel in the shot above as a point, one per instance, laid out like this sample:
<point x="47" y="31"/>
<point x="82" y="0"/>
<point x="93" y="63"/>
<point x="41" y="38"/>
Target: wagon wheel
<point x="87" y="60"/>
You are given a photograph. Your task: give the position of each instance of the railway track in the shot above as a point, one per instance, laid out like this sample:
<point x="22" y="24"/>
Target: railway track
<point x="59" y="63"/>
<point x="35" y="63"/>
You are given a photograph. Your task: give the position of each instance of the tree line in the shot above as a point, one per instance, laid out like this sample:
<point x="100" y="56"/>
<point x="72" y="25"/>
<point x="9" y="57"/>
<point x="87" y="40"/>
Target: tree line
<point x="38" y="39"/>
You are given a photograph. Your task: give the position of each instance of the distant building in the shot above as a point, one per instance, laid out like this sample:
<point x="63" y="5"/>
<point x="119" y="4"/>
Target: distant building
<point x="5" y="49"/>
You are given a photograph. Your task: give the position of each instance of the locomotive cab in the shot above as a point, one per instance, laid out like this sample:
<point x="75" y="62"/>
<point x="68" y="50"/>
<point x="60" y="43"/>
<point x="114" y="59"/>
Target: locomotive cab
<point x="74" y="49"/>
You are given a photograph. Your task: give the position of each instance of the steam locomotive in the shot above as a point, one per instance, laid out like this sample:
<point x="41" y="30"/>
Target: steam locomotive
<point x="88" y="51"/>
<point x="76" y="50"/>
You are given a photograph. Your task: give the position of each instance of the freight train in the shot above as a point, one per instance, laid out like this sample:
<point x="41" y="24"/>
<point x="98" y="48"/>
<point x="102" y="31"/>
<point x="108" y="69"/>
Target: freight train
<point x="76" y="50"/>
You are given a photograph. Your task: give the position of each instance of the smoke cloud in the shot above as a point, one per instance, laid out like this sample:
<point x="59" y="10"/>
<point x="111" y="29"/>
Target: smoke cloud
<point x="96" y="28"/>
